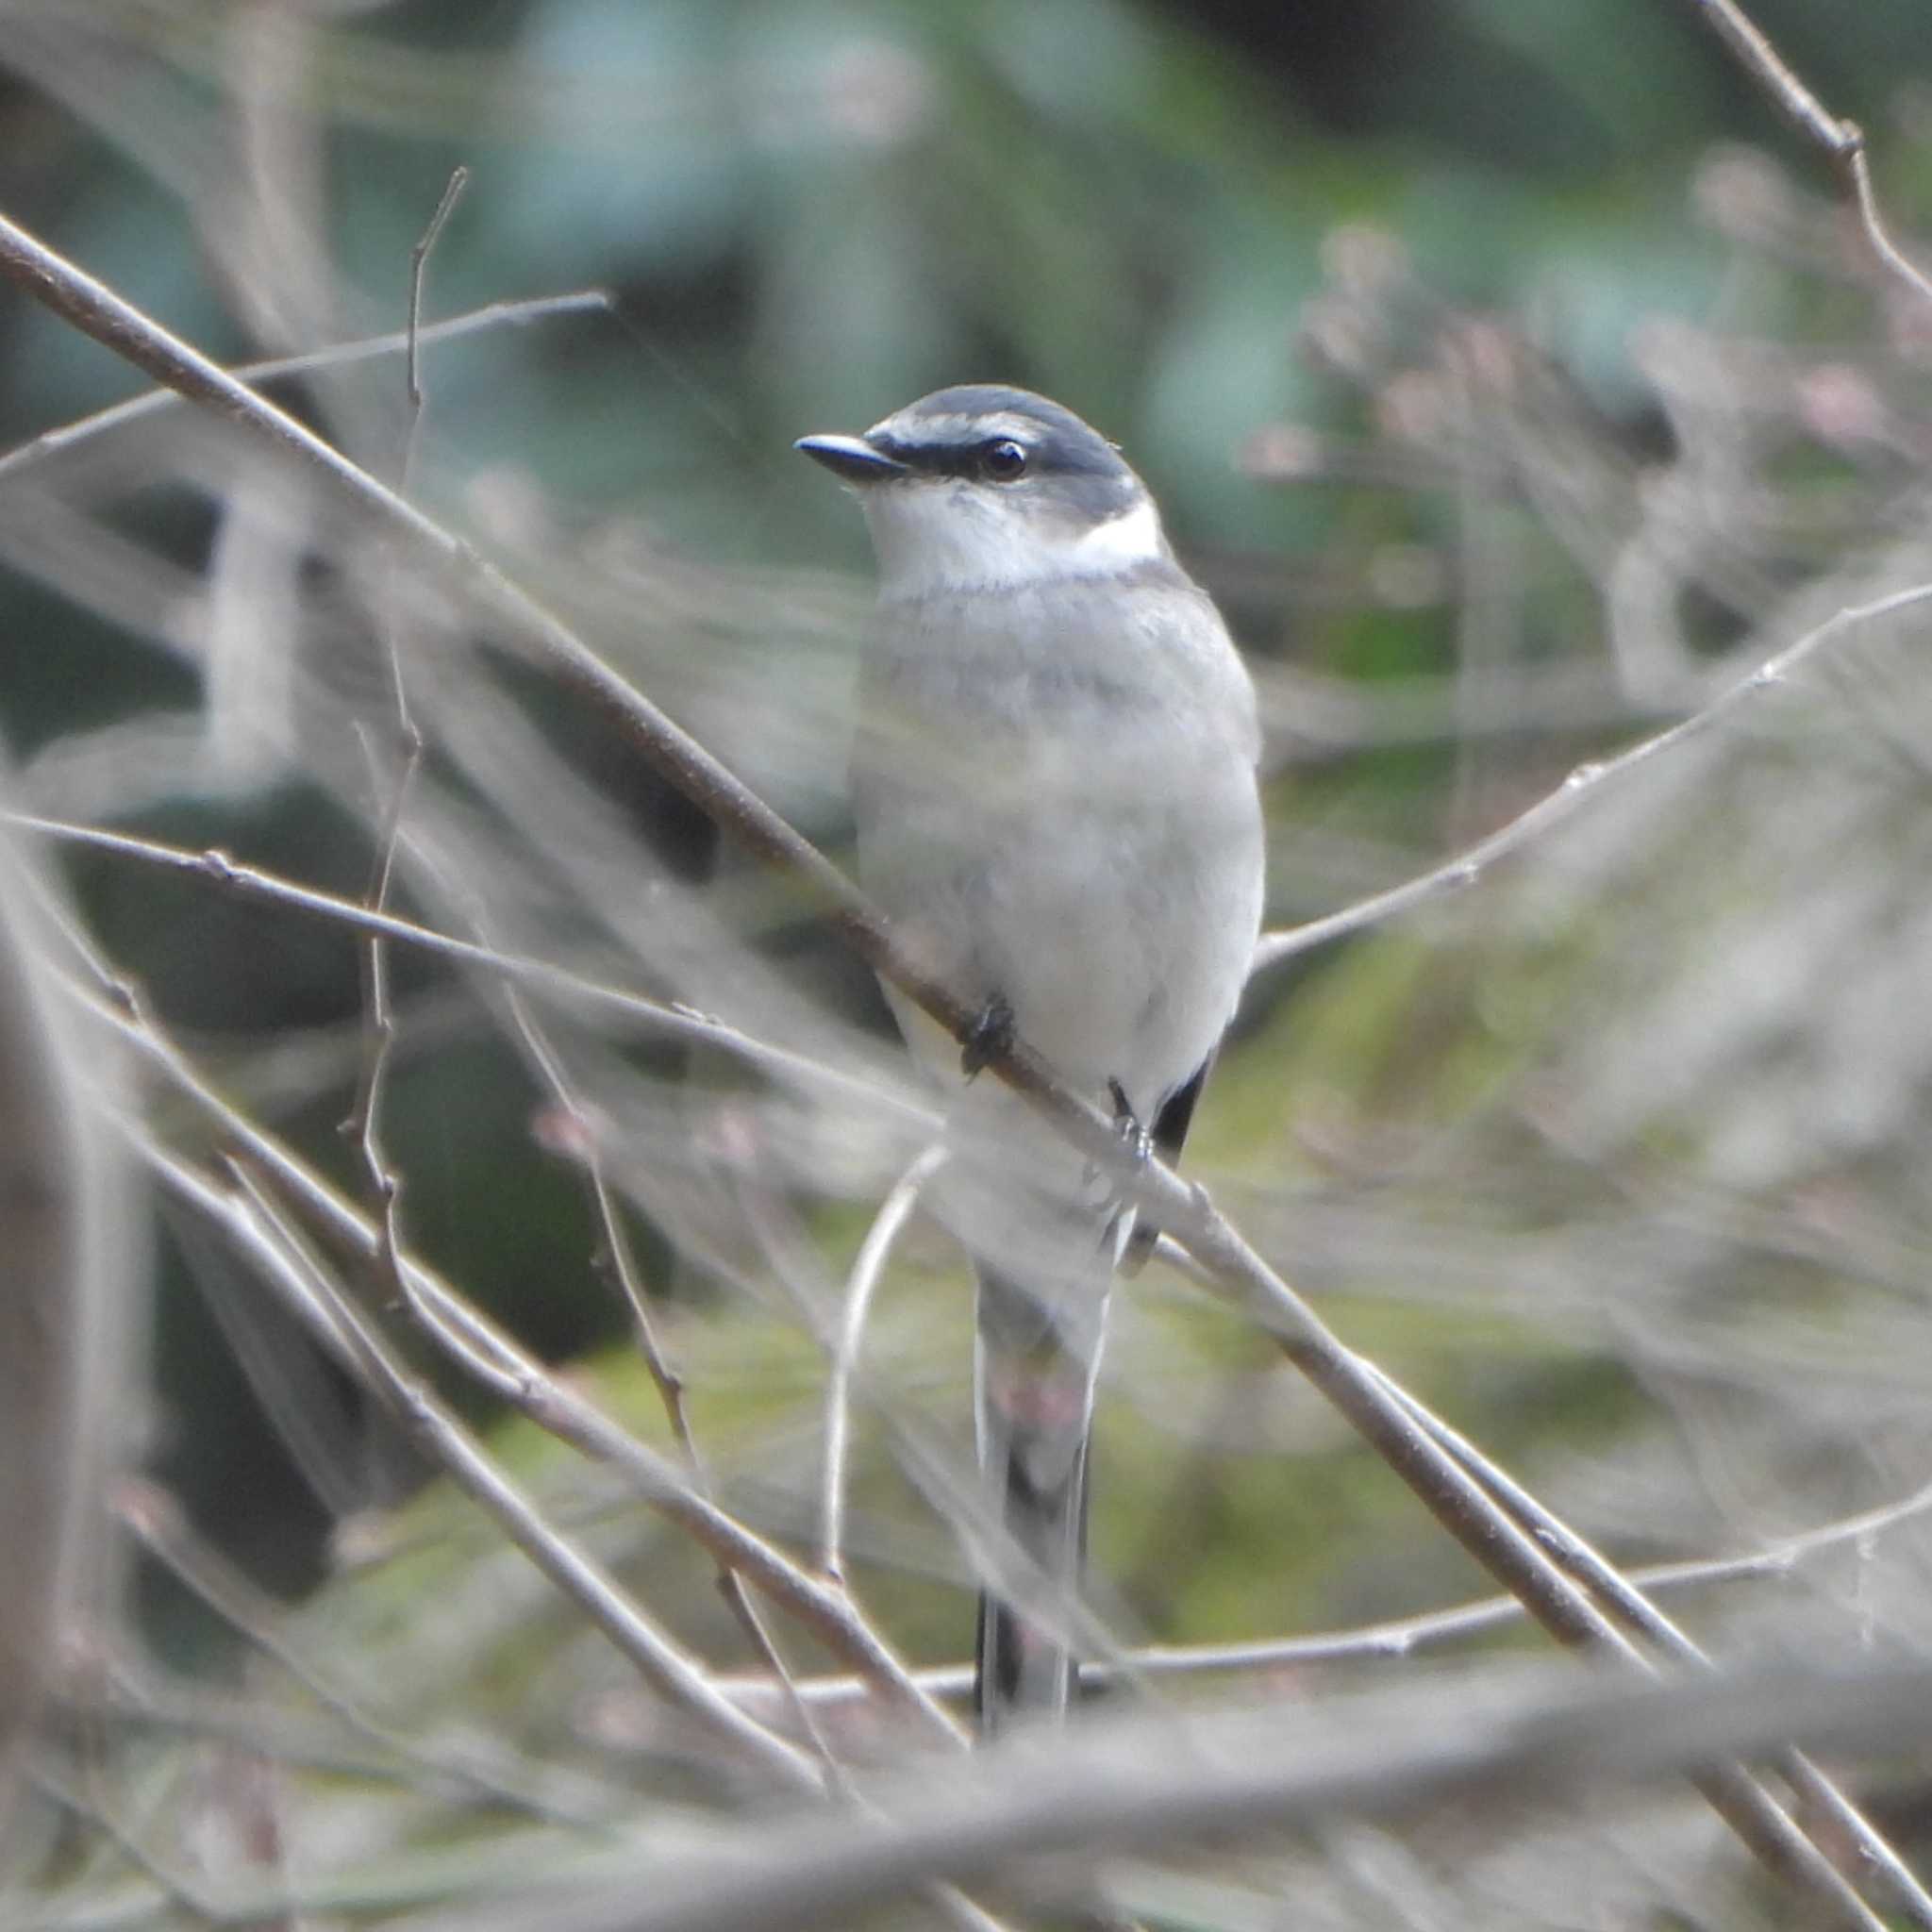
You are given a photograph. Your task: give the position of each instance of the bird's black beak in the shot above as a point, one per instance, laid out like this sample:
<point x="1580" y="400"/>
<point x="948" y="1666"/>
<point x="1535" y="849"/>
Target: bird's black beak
<point x="851" y="458"/>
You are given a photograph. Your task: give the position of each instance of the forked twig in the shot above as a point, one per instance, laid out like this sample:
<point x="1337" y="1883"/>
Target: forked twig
<point x="1842" y="139"/>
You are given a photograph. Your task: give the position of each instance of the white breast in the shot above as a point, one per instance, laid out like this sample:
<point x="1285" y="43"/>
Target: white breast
<point x="934" y="536"/>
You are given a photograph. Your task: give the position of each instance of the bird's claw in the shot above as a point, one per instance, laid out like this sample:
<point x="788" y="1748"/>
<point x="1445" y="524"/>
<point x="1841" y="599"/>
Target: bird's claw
<point x="1126" y="1124"/>
<point x="989" y="1038"/>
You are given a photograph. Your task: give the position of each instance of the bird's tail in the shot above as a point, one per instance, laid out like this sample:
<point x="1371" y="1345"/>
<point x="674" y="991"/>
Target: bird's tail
<point x="1035" y="1371"/>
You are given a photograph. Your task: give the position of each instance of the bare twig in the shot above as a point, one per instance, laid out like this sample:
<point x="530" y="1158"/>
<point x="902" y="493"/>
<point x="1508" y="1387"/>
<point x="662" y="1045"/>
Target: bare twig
<point x="276" y="1249"/>
<point x="1134" y="1787"/>
<point x="485" y="1352"/>
<point x="1807" y="112"/>
<point x="364" y="1124"/>
<point x="615" y="1239"/>
<point x="253" y="1222"/>
<point x="155" y="401"/>
<point x="675" y="1021"/>
<point x="1634" y="1612"/>
<point x="1399" y="1637"/>
<point x="859" y="1285"/>
<point x="418" y="266"/>
<point x="615" y="1249"/>
<point x="1842" y="139"/>
<point x="1587" y="782"/>
<point x="1858" y="164"/>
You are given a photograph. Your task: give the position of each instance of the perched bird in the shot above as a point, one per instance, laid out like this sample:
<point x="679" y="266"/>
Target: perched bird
<point x="1054" y="782"/>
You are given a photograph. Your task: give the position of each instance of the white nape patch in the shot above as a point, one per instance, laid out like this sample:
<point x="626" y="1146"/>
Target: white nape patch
<point x="1132" y="537"/>
<point x="959" y="535"/>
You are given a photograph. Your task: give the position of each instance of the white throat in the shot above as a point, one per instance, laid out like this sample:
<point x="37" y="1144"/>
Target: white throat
<point x="938" y="537"/>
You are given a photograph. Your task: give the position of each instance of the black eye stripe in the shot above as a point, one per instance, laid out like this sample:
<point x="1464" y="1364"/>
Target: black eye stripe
<point x="967" y="459"/>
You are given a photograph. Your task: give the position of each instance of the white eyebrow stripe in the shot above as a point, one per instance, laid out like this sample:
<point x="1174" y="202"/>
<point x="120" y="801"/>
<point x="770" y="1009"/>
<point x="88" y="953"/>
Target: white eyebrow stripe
<point x="958" y="427"/>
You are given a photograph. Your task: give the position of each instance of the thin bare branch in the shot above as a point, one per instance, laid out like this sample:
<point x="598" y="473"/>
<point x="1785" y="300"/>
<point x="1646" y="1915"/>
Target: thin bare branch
<point x="859" y="1284"/>
<point x="1138" y="1786"/>
<point x="257" y="1228"/>
<point x="1871" y="1854"/>
<point x="1761" y="60"/>
<point x="1396" y="1637"/>
<point x="616" y="1251"/>
<point x="1859" y="165"/>
<point x="484" y="1351"/>
<point x="155" y="401"/>
<point x="1842" y="139"/>
<point x="1585" y="784"/>
<point x="418" y="266"/>
<point x="364" y="1124"/>
<point x="276" y="1249"/>
<point x="615" y="1242"/>
<point x="675" y="1021"/>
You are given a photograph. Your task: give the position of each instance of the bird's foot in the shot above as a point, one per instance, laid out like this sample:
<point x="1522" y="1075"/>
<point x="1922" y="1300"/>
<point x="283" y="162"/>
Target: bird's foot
<point x="1126" y="1124"/>
<point x="1138" y="1144"/>
<point x="990" y="1036"/>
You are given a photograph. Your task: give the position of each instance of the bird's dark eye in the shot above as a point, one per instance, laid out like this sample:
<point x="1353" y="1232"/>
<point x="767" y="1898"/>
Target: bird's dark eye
<point x="1004" y="459"/>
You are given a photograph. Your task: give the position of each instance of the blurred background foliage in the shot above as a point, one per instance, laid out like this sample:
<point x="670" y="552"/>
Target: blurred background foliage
<point x="1515" y="380"/>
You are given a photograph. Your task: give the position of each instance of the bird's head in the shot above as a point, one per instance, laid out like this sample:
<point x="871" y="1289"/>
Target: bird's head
<point x="985" y="488"/>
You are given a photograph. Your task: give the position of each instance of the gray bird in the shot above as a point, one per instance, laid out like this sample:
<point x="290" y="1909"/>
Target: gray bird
<point x="1054" y="789"/>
